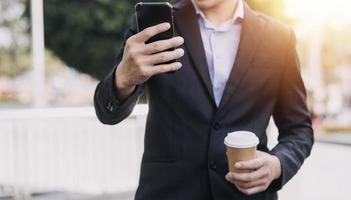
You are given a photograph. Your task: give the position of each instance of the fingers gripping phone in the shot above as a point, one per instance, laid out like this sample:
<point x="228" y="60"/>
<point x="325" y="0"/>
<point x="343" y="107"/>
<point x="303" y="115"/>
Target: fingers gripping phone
<point x="153" y="13"/>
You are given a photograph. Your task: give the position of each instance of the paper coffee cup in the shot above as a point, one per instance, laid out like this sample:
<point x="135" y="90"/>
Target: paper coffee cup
<point x="241" y="146"/>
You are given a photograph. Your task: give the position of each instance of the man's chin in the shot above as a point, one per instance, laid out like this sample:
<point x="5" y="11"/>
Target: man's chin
<point x="205" y="4"/>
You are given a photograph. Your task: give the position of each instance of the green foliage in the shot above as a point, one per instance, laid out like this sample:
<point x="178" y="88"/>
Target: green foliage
<point x="87" y="35"/>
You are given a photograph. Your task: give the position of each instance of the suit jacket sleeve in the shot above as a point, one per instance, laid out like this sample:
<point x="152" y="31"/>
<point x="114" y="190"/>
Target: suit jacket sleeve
<point x="292" y="118"/>
<point x="108" y="109"/>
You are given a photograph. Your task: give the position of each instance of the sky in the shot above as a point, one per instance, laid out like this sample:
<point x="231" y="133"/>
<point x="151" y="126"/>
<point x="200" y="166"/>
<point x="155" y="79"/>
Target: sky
<point x="5" y="38"/>
<point x="14" y="13"/>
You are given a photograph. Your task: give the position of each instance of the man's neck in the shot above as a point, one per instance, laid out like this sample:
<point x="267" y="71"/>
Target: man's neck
<point x="222" y="12"/>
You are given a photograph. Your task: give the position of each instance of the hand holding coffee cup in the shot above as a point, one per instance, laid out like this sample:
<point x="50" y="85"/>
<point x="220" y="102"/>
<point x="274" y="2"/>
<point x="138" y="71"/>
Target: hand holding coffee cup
<point x="250" y="170"/>
<point x="241" y="146"/>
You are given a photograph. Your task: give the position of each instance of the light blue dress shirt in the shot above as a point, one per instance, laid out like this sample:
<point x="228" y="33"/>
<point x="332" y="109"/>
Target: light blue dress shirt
<point x="221" y="45"/>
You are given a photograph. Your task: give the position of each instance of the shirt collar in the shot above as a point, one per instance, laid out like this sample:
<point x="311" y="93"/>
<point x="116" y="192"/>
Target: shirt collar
<point x="239" y="12"/>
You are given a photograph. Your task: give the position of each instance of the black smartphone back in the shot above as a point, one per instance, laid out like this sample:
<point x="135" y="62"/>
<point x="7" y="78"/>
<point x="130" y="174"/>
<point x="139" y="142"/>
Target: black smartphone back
<point x="153" y="13"/>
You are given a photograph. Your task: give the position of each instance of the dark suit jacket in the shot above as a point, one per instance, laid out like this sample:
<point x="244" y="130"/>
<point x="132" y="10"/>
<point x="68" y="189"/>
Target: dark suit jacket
<point x="184" y="156"/>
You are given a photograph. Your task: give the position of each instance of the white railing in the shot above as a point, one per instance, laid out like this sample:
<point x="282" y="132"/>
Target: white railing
<point x="69" y="149"/>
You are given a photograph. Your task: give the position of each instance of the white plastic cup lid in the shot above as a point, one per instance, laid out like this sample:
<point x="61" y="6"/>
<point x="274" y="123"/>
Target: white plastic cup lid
<point x="241" y="139"/>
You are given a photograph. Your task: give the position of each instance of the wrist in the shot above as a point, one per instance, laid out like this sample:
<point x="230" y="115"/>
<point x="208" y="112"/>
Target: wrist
<point x="120" y="83"/>
<point x="123" y="89"/>
<point x="277" y="167"/>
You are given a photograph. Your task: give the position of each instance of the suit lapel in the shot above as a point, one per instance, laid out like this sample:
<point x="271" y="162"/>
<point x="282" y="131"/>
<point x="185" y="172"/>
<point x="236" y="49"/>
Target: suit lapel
<point x="186" y="22"/>
<point x="251" y="35"/>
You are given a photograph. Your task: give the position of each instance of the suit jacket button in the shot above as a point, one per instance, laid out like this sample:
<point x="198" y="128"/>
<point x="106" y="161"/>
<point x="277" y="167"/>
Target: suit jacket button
<point x="213" y="165"/>
<point x="216" y="126"/>
<point x="110" y="107"/>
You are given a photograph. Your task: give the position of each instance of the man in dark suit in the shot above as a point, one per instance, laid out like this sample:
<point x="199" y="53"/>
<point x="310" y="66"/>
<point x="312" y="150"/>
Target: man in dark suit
<point x="233" y="73"/>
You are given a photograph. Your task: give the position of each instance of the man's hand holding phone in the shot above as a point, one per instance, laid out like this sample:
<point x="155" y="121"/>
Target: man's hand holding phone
<point x="141" y="61"/>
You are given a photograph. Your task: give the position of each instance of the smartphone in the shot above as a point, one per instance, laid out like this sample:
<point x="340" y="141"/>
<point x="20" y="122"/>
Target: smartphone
<point x="153" y="13"/>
